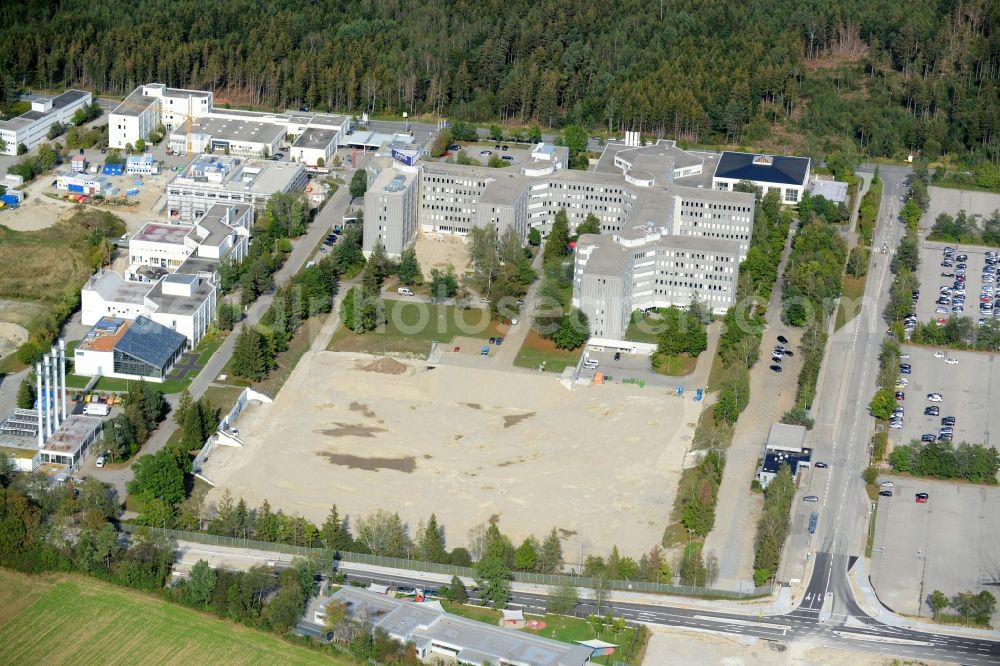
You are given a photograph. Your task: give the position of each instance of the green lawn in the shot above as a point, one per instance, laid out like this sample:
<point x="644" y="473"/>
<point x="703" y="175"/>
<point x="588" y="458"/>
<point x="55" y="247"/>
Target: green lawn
<point x="74" y="619"/>
<point x="572" y="629"/>
<point x="557" y="627"/>
<point x="850" y="301"/>
<point x="642" y="328"/>
<point x="676" y="366"/>
<point x="479" y="613"/>
<point x="537" y="349"/>
<point x="411" y="326"/>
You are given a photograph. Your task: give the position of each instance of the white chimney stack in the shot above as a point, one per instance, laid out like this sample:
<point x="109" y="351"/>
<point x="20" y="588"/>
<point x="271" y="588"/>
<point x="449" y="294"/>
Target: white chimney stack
<point x="45" y="397"/>
<point x="38" y="392"/>
<point x="56" y="413"/>
<point x="62" y="375"/>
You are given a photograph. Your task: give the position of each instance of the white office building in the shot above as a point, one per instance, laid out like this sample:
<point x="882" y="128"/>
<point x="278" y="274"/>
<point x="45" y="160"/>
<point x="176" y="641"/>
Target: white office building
<point x="194" y="125"/>
<point x="211" y="179"/>
<point x="32" y="127"/>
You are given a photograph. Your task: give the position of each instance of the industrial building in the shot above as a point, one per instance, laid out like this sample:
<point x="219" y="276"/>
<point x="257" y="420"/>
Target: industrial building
<point x="211" y="179"/>
<point x="434" y="632"/>
<point x="785" y="445"/>
<point x="194" y="125"/>
<point x="142" y="165"/>
<point x="129" y="349"/>
<point x="82" y="183"/>
<point x="315" y="146"/>
<point x="788" y="175"/>
<point x="32" y="127"/>
<point x="48" y="438"/>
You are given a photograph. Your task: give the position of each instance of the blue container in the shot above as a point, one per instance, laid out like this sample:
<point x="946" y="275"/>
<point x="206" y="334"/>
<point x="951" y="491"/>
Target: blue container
<point x="78" y="189"/>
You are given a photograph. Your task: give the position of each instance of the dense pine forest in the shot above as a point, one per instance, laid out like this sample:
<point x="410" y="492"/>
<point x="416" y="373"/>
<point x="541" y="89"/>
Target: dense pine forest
<point x="885" y="77"/>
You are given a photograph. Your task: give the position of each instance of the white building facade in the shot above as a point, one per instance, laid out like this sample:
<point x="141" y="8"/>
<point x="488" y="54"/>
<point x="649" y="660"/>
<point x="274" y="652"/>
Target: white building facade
<point x="32" y="127"/>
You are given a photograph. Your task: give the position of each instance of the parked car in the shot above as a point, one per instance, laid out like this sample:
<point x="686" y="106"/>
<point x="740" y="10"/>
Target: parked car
<point x="934" y="397"/>
<point x="921" y="500"/>
<point x="618" y="356"/>
<point x="782" y="339"/>
<point x="810" y="498"/>
<point x="885" y="493"/>
<point x="887" y="484"/>
<point x="821" y="465"/>
<point x="776" y="368"/>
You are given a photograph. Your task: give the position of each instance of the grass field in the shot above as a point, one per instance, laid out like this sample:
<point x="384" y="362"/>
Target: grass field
<point x="675" y="366"/>
<point x="642" y="328"/>
<point x="61" y="249"/>
<point x="537" y="349"/>
<point x="73" y="619"/>
<point x="411" y="326"/>
<point x="557" y="627"/>
<point x="850" y="301"/>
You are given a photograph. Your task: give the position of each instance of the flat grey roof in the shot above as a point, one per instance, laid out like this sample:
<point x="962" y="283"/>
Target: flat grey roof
<point x="504" y="188"/>
<point x="386" y="176"/>
<point x="182" y="305"/>
<point x="475" y="642"/>
<point x="315" y="138"/>
<point x="832" y="190"/>
<point x="216" y="228"/>
<point x="195" y="265"/>
<point x="58" y="102"/>
<point x="113" y="287"/>
<point x="654" y="160"/>
<point x="71" y="434"/>
<point x="134" y="104"/>
<point x="227" y="129"/>
<point x="607" y="257"/>
<point x="786" y="436"/>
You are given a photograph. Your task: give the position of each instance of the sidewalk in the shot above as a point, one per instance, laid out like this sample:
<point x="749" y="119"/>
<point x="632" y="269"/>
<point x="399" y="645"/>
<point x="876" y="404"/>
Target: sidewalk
<point x="771" y="395"/>
<point x="865" y="595"/>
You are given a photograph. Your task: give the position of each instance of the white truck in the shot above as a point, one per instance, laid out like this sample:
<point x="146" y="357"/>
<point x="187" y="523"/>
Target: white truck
<point x="96" y="409"/>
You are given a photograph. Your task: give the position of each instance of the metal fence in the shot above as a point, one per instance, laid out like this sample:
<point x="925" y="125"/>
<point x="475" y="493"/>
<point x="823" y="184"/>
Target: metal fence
<point x="449" y="569"/>
<point x="224" y="424"/>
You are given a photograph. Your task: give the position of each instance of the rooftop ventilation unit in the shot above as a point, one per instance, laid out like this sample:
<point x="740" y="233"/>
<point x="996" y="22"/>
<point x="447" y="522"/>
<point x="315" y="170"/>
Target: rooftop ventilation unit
<point x="396" y="184"/>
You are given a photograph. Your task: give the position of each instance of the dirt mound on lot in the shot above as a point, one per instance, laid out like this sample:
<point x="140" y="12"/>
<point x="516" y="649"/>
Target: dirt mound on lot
<point x="384" y="366"/>
<point x="12" y="336"/>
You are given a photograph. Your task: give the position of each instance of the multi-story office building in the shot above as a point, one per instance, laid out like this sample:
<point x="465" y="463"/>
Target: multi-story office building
<point x="667" y="237"/>
<point x="390" y="209"/>
<point x="32" y="127"/>
<point x="209" y="180"/>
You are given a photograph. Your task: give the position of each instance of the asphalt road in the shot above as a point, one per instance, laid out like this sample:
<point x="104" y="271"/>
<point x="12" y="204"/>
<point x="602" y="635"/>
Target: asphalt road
<point x="302" y="249"/>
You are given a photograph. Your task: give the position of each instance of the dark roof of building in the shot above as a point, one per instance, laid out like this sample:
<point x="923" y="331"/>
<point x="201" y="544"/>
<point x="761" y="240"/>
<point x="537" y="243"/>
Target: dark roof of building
<point x="782" y="170"/>
<point x="151" y="342"/>
<point x="775" y="459"/>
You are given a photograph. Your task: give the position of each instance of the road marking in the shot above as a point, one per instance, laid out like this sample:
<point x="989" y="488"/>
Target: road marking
<point x="743" y="623"/>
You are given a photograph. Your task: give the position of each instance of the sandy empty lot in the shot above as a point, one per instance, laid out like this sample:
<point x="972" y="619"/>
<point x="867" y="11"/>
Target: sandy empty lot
<point x="601" y="464"/>
<point x="438" y="250"/>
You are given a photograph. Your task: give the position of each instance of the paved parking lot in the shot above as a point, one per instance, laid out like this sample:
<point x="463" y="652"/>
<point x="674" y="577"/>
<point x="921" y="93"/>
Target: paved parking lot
<point x="931" y="279"/>
<point x="968" y="392"/>
<point x="951" y="544"/>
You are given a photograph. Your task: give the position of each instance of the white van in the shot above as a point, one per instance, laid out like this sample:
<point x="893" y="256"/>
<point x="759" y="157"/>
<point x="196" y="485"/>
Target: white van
<point x="96" y="409"/>
<point x="404" y="291"/>
<point x="591" y="364"/>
